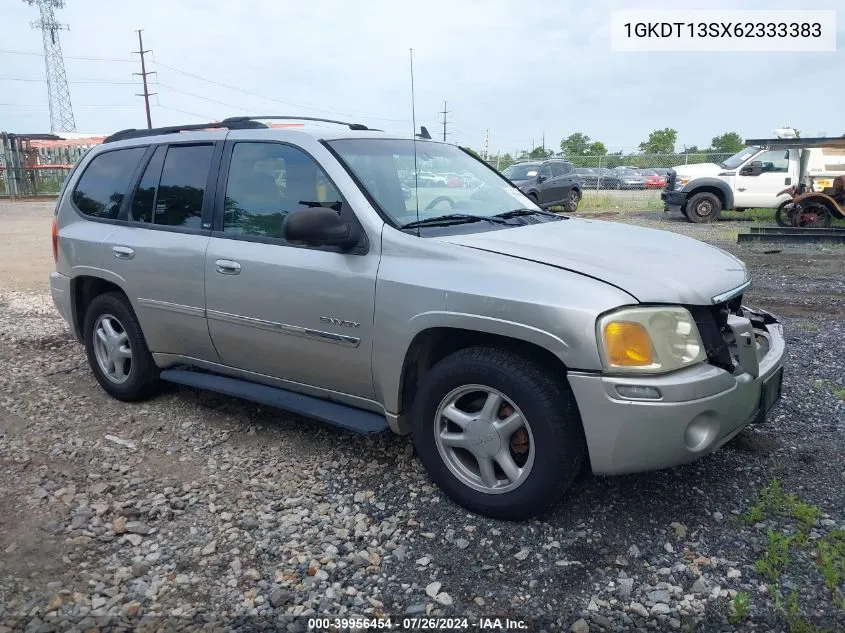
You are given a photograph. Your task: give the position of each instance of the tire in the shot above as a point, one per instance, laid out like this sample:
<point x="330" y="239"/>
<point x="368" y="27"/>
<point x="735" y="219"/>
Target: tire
<point x="703" y="207"/>
<point x="618" y="185"/>
<point x="572" y="201"/>
<point x="782" y="215"/>
<point x="684" y="210"/>
<point x="553" y="433"/>
<point x="811" y="216"/>
<point x="534" y="198"/>
<point x="140" y="375"/>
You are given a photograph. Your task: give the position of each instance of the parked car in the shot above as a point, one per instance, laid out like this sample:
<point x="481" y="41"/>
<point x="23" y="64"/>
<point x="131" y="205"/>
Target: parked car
<point x="548" y="183"/>
<point x="653" y="180"/>
<point x="516" y="344"/>
<point x="622" y="179"/>
<point x="589" y="177"/>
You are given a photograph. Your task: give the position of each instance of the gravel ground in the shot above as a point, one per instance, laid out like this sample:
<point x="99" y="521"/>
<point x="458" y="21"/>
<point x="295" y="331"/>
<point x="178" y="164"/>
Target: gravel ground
<point x="198" y="511"/>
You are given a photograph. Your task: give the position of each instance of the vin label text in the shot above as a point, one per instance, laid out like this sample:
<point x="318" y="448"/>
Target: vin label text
<point x="716" y="30"/>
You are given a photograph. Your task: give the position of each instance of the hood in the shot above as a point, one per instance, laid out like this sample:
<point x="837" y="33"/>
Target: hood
<point x="651" y="265"/>
<point x="698" y="170"/>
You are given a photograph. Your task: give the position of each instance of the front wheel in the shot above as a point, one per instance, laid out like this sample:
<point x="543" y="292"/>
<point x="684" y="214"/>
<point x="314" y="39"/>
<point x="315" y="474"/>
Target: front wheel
<point x="703" y="207"/>
<point x="497" y="432"/>
<point x="572" y="201"/>
<point x="784" y="213"/>
<point x="811" y="216"/>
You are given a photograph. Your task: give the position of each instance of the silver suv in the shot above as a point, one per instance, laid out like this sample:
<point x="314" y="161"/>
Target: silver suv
<point x="292" y="268"/>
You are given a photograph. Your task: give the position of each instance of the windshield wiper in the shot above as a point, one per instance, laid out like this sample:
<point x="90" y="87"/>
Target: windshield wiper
<point x="453" y="218"/>
<point x="519" y="213"/>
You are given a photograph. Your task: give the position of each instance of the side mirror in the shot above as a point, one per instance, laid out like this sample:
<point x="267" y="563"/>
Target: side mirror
<point x="540" y="178"/>
<point x="320" y="226"/>
<point x="754" y="168"/>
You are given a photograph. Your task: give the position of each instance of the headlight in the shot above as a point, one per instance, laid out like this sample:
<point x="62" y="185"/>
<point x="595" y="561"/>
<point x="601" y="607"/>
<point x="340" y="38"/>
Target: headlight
<point x="649" y="340"/>
<point x="681" y="182"/>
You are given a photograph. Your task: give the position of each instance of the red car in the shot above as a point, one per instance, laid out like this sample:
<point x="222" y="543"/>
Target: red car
<point x="653" y="180"/>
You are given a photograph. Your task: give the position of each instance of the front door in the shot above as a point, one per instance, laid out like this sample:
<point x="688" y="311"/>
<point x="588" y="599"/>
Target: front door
<point x="761" y="190"/>
<point x="545" y="184"/>
<point x="301" y="314"/>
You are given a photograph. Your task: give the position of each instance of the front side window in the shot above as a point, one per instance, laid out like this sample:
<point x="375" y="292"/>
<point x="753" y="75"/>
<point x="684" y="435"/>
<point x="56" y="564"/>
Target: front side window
<point x="546" y="171"/>
<point x="266" y="182"/>
<point x="380" y="165"/>
<point x="100" y="191"/>
<point x="776" y="161"/>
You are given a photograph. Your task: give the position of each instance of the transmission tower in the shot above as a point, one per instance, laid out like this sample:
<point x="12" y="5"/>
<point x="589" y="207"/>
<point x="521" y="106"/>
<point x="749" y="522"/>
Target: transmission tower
<point x="61" y="111"/>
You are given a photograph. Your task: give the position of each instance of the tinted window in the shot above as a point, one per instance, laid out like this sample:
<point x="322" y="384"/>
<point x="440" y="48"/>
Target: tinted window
<point x="546" y="171"/>
<point x="561" y="169"/>
<point x="144" y="199"/>
<point x="103" y="184"/>
<point x="180" y="192"/>
<point x="266" y="182"/>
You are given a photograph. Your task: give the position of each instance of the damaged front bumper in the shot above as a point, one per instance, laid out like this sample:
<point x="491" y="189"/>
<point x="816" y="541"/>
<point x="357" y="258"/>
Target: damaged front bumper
<point x="699" y="408"/>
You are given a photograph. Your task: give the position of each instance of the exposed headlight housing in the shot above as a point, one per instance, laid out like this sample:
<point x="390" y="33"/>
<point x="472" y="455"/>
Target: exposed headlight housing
<point x="682" y="182"/>
<point x="649" y="340"/>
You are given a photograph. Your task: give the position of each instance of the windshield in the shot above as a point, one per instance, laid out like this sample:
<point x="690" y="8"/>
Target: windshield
<point x="523" y="171"/>
<point x="740" y="157"/>
<point x="385" y="167"/>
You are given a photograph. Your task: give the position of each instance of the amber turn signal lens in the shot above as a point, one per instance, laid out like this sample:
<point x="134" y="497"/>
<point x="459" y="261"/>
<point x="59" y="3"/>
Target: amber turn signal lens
<point x="55" y="238"/>
<point x="627" y="344"/>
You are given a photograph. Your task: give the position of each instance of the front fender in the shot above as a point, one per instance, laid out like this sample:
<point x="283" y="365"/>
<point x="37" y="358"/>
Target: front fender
<point x="821" y="198"/>
<point x="706" y="183"/>
<point x="388" y="370"/>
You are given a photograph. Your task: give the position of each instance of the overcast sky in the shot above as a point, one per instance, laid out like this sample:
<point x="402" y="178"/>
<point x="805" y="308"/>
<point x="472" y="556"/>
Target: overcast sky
<point x="519" y="69"/>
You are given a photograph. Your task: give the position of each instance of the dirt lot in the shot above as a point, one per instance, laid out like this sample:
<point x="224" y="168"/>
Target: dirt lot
<point x="198" y="511"/>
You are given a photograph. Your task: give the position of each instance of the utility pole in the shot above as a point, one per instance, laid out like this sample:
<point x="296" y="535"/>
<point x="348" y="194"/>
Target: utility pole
<point x="486" y="143"/>
<point x="146" y="94"/>
<point x="58" y="95"/>
<point x="544" y="143"/>
<point x="444" y="113"/>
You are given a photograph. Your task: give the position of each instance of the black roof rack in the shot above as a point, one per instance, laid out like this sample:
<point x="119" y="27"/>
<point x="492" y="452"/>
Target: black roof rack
<point x="174" y="129"/>
<point x="230" y="123"/>
<point x="351" y="126"/>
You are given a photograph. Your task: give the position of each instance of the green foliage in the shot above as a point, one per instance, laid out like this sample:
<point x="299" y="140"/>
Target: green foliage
<point x="596" y="148"/>
<point x="728" y="143"/>
<point x="776" y="557"/>
<point x="660" y="142"/>
<point x="739" y="608"/>
<point x="575" y="144"/>
<point x="540" y="152"/>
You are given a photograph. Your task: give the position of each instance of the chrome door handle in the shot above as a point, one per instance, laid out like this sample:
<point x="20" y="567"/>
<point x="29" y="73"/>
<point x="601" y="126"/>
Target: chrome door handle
<point x="123" y="252"/>
<point x="227" y="267"/>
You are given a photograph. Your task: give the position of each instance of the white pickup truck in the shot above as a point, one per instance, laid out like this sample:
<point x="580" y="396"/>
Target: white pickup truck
<point x="752" y="178"/>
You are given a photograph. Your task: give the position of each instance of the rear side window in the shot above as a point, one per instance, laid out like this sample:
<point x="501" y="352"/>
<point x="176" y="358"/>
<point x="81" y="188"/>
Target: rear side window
<point x="181" y="189"/>
<point x="100" y="191"/>
<point x="561" y="169"/>
<point x="144" y="200"/>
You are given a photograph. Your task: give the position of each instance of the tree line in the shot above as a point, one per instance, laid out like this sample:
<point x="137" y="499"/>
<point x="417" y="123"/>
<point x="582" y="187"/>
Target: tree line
<point x="584" y="151"/>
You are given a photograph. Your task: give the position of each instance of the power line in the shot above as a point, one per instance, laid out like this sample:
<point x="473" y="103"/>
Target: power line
<point x="76" y="81"/>
<point x="86" y="105"/>
<point x="83" y="58"/>
<point x="143" y="74"/>
<point x="196" y="96"/>
<point x="255" y="94"/>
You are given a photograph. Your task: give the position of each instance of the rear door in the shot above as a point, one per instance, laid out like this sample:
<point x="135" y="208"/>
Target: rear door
<point x="159" y="250"/>
<point x="564" y="178"/>
<point x="292" y="312"/>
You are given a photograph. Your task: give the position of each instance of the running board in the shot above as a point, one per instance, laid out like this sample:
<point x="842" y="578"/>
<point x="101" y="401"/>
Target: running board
<point x="341" y="415"/>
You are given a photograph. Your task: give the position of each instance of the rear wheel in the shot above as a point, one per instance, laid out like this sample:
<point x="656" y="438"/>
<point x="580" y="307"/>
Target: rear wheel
<point x="497" y="432"/>
<point x="811" y="216"/>
<point x="703" y="207"/>
<point x="116" y="349"/>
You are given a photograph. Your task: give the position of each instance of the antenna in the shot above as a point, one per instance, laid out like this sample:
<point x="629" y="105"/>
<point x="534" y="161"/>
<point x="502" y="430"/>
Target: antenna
<point x="414" y="136"/>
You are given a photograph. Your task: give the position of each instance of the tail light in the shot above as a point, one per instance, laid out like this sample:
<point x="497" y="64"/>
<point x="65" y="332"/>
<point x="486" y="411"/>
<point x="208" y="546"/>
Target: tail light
<point x="55" y="235"/>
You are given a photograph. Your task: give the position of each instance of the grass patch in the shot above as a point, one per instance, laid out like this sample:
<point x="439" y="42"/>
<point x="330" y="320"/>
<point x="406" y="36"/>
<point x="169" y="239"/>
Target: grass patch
<point x="788" y="545"/>
<point x="809" y="325"/>
<point x="739" y="608"/>
<point x="839" y="393"/>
